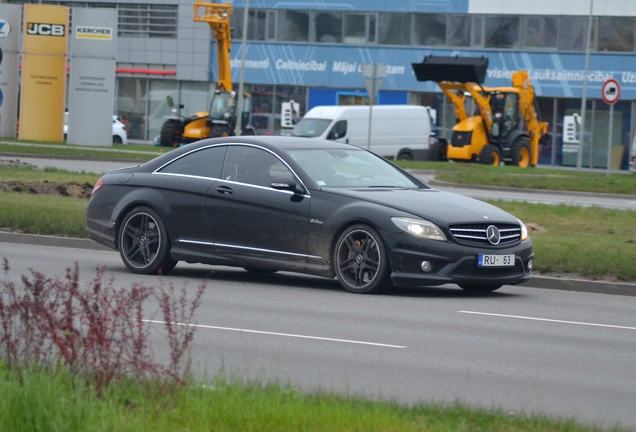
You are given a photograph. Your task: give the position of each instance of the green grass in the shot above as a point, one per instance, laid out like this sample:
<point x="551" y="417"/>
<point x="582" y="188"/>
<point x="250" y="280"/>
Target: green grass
<point x="140" y="153"/>
<point x="533" y="178"/>
<point x="27" y="174"/>
<point x="54" y="401"/>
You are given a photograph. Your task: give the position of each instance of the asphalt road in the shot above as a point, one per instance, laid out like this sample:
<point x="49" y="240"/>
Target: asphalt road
<point x="565" y="354"/>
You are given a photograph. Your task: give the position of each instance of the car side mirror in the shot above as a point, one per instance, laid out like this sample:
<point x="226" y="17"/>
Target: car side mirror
<point x="286" y="183"/>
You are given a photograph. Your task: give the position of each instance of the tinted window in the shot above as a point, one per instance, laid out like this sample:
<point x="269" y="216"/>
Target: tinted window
<point x="540" y="32"/>
<point x="429" y="29"/>
<point x="460" y="27"/>
<point x="293" y="26"/>
<point x="616" y="34"/>
<point x="573" y="32"/>
<point x="394" y="28"/>
<point x="252" y="166"/>
<point x="203" y="163"/>
<point x="338" y="130"/>
<point x="327" y="27"/>
<point x="502" y="31"/>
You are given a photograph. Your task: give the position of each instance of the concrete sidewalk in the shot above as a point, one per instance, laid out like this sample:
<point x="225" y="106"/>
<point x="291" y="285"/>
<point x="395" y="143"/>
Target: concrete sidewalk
<point x="566" y="284"/>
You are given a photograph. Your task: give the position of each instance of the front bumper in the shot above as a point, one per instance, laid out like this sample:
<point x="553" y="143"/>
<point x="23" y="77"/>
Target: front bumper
<point x="452" y="262"/>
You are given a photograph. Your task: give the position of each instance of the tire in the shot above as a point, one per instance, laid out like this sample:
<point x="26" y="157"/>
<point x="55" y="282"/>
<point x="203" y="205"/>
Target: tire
<point x="220" y="131"/>
<point x="171" y="132"/>
<point x="490" y="155"/>
<point x="117" y="139"/>
<point x="479" y="288"/>
<point x="360" y="260"/>
<point x="405" y="156"/>
<point x="520" y="152"/>
<point x="437" y="151"/>
<point x="143" y="242"/>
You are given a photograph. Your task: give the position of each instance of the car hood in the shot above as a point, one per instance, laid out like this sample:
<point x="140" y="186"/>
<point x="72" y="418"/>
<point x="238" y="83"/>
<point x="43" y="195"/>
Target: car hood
<point x="441" y="208"/>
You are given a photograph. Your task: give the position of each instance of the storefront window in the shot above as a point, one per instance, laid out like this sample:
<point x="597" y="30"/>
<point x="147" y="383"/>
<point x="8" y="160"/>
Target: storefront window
<point x="293" y="26"/>
<point x="540" y="32"/>
<point x="194" y="96"/>
<point x="394" y="28"/>
<point x="616" y="34"/>
<point x="326" y="26"/>
<point x="459" y="30"/>
<point x="429" y="29"/>
<point x="131" y="106"/>
<point x="158" y="105"/>
<point x="502" y="31"/>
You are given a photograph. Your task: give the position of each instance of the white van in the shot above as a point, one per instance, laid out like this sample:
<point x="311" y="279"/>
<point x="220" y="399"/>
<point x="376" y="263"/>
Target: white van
<point x="632" y="156"/>
<point x="397" y="131"/>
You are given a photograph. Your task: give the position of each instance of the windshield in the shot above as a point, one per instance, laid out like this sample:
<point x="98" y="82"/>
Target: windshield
<point x="222" y="105"/>
<point x="349" y="168"/>
<point x="311" y="128"/>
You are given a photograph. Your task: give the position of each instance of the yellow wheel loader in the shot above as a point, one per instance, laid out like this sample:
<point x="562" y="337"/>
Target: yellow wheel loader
<point x="505" y="128"/>
<point x="222" y="117"/>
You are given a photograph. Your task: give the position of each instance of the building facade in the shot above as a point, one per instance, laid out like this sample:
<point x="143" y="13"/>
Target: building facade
<point x="311" y="52"/>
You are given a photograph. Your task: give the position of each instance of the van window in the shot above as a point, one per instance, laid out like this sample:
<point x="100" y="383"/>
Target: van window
<point x="338" y="130"/>
<point x="311" y="128"/>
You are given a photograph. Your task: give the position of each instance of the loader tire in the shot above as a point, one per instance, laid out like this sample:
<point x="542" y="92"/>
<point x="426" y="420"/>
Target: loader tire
<point x="171" y="133"/>
<point x="520" y="152"/>
<point x="437" y="151"/>
<point x="220" y="131"/>
<point x="490" y="155"/>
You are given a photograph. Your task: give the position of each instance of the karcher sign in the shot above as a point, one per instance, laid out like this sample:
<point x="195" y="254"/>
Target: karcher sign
<point x="43" y="29"/>
<point x="99" y="33"/>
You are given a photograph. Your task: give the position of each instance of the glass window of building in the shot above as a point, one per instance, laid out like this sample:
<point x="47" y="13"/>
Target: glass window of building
<point x="573" y="32"/>
<point x="257" y="25"/>
<point x="429" y="29"/>
<point x="152" y="21"/>
<point x="478" y="31"/>
<point x="394" y="28"/>
<point x="459" y="30"/>
<point x="158" y="105"/>
<point x="540" y="31"/>
<point x="326" y="26"/>
<point x="131" y="106"/>
<point x="616" y="34"/>
<point x="293" y="26"/>
<point x="236" y="24"/>
<point x="355" y="28"/>
<point x="502" y="31"/>
<point x="194" y="96"/>
<point x="271" y="25"/>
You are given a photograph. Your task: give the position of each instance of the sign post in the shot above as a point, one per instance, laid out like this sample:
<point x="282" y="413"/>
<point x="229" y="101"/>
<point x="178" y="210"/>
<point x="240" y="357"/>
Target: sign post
<point x="373" y="76"/>
<point x="611" y="92"/>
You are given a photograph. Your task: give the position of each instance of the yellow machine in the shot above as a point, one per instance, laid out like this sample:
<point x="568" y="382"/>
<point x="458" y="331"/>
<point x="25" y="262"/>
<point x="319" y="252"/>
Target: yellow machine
<point x="506" y="128"/>
<point x="222" y="117"/>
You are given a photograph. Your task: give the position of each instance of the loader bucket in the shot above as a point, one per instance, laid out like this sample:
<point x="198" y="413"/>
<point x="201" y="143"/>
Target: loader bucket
<point x="457" y="69"/>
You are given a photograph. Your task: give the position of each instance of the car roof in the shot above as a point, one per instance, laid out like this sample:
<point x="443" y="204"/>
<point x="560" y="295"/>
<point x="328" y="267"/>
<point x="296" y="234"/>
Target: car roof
<point x="276" y="142"/>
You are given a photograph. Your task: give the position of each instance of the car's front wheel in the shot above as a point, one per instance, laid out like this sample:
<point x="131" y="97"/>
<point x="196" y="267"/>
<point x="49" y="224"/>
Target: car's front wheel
<point x="360" y="260"/>
<point x="144" y="245"/>
<point x="479" y="288"/>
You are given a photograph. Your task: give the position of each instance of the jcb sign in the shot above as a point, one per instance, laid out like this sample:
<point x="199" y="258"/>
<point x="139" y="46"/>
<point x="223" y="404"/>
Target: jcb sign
<point x="43" y="29"/>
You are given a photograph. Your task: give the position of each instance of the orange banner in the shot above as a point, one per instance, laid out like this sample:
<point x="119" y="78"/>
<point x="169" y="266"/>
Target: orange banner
<point x="44" y="62"/>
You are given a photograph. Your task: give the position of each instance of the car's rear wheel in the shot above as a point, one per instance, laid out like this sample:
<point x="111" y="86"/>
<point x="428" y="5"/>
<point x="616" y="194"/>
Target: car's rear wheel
<point x="360" y="260"/>
<point x="144" y="245"/>
<point x="480" y="288"/>
<point x="117" y="139"/>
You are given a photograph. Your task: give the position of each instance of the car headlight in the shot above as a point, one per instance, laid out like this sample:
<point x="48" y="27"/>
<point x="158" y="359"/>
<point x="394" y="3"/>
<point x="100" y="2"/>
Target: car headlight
<point x="419" y="228"/>
<point x="524" y="230"/>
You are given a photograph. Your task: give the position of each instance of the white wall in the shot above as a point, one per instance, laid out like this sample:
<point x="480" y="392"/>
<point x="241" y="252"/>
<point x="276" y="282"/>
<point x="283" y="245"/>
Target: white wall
<point x="554" y="7"/>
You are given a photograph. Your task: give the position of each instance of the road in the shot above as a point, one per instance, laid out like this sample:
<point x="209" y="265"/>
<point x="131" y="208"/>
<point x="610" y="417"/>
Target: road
<point x="537" y="197"/>
<point x="566" y="354"/>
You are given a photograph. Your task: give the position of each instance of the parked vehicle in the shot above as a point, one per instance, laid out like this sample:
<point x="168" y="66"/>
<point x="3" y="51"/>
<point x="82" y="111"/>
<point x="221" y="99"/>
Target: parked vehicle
<point x="397" y="131"/>
<point x="120" y="135"/>
<point x="632" y="157"/>
<point x="506" y="128"/>
<point x="269" y="203"/>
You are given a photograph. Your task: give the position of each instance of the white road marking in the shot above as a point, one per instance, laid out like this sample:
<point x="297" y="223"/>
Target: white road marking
<point x="280" y="334"/>
<point x="549" y="320"/>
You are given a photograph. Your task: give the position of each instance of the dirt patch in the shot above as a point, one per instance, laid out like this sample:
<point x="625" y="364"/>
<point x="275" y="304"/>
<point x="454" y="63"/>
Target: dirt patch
<point x="535" y="228"/>
<point x="72" y="189"/>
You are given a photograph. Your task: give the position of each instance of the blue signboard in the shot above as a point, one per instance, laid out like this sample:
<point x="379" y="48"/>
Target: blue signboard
<point x="552" y="74"/>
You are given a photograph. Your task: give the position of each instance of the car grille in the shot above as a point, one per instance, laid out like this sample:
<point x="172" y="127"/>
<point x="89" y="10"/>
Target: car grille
<point x="476" y="233"/>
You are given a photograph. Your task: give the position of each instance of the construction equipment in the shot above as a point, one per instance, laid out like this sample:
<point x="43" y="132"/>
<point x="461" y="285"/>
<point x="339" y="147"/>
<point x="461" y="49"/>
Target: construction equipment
<point x="222" y="117"/>
<point x="497" y="132"/>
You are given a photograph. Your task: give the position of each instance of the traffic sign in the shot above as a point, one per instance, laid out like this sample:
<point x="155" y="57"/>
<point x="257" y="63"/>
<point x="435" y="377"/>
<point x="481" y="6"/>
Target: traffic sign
<point x="611" y="91"/>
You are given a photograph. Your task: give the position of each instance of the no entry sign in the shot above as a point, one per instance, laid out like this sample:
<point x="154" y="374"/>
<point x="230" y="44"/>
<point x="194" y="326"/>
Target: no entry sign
<point x="611" y="91"/>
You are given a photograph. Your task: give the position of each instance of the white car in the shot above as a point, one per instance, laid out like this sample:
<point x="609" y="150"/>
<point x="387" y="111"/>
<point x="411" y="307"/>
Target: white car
<point x="120" y="136"/>
<point x="632" y="157"/>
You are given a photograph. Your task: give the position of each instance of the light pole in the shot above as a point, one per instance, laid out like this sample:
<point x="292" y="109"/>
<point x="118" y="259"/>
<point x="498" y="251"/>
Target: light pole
<point x="239" y="106"/>
<point x="579" y="158"/>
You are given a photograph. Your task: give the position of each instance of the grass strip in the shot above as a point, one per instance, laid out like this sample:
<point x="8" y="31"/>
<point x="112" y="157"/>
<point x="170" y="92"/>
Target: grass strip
<point x="27" y="174"/>
<point x="141" y="153"/>
<point x="54" y="401"/>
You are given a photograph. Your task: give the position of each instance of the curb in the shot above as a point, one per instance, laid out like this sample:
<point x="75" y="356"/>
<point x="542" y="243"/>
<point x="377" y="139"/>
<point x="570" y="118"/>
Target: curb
<point x="545" y="282"/>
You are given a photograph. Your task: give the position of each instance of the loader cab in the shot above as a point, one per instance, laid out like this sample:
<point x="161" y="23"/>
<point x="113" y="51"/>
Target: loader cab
<point x="223" y="113"/>
<point x="505" y="114"/>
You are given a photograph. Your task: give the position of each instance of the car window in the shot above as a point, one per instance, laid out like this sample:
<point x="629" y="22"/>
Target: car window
<point x="207" y="162"/>
<point x="349" y="168"/>
<point x="253" y="166"/>
<point x="338" y="131"/>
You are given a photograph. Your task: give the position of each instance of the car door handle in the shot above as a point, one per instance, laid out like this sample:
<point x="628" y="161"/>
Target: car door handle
<point x="224" y="190"/>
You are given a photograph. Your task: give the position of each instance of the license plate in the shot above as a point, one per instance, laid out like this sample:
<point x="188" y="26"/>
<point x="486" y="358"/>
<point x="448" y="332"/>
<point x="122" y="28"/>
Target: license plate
<point x="496" y="260"/>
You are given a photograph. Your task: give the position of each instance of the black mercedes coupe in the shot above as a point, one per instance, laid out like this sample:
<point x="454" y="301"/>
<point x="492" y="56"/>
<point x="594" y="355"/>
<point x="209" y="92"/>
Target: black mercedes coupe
<point x="267" y="203"/>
